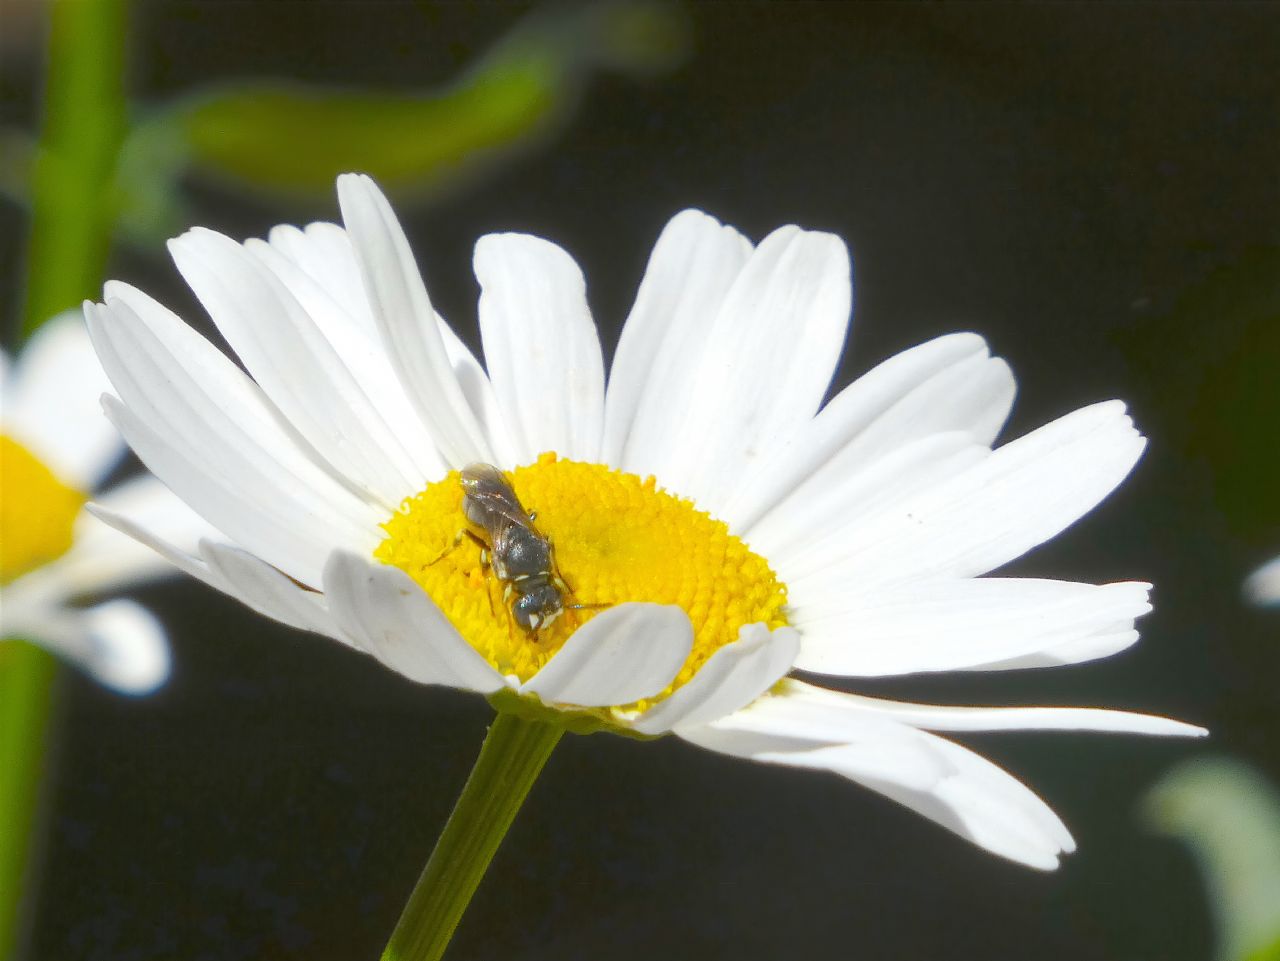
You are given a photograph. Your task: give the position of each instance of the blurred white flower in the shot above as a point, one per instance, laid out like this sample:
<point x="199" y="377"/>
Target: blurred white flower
<point x="56" y="447"/>
<point x="1263" y="585"/>
<point x="718" y="525"/>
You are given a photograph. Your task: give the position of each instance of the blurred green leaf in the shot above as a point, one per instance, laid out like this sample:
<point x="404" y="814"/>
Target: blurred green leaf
<point x="1229" y="815"/>
<point x="1270" y="953"/>
<point x="290" y="140"/>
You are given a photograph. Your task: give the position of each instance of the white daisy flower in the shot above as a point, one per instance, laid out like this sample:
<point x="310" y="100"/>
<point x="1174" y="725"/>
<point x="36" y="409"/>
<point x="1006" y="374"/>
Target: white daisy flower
<point x="56" y="448"/>
<point x="715" y="527"/>
<point x="1263" y="585"/>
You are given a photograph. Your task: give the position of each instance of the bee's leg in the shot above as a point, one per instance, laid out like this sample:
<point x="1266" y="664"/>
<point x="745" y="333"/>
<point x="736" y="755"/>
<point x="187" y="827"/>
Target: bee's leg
<point x="560" y="582"/>
<point x="479" y="541"/>
<point x="457" y="539"/>
<point x="567" y="589"/>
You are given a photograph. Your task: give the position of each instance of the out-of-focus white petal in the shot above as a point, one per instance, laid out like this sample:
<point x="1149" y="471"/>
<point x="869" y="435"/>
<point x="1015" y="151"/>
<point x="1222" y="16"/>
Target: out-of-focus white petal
<point x="50" y="403"/>
<point x="956" y="625"/>
<point x="391" y="617"/>
<point x="407" y="322"/>
<point x="880" y="411"/>
<point x="1263" y="585"/>
<point x="128" y="645"/>
<point x="1021" y="495"/>
<point x="766" y="363"/>
<point x="540" y="345"/>
<point x="621" y="655"/>
<point x="654" y="376"/>
<point x="117" y="643"/>
<point x="732" y="678"/>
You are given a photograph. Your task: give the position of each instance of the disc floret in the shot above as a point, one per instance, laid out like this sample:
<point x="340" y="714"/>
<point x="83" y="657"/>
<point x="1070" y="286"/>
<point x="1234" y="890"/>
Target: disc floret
<point x="616" y="538"/>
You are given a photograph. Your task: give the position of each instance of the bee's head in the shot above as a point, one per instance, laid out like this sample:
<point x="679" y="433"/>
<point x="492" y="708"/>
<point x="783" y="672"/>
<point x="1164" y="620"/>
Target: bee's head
<point x="539" y="608"/>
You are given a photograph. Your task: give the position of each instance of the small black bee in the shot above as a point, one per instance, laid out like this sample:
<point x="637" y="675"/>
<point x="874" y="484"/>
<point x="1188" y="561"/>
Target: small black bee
<point x="519" y="554"/>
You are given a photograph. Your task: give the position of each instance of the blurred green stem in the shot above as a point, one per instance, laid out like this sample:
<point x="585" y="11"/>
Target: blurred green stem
<point x="73" y="188"/>
<point x="26" y="686"/>
<point x="71" y="220"/>
<point x="510" y="760"/>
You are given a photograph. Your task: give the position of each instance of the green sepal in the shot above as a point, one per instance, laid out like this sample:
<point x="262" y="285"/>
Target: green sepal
<point x="579" y="721"/>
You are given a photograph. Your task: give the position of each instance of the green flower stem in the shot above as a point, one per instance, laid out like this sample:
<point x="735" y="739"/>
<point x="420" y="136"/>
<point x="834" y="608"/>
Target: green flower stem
<point x="72" y="213"/>
<point x="73" y="196"/>
<point x="26" y="686"/>
<point x="510" y="760"/>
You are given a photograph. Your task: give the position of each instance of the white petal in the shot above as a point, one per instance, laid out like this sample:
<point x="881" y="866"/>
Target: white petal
<point x="1023" y="494"/>
<point x="296" y="543"/>
<point x="406" y="320"/>
<point x="391" y="617"/>
<point x="989" y="807"/>
<point x="839" y="500"/>
<point x="541" y="346"/>
<point x="935" y="717"/>
<point x="786" y="729"/>
<point x="131" y="653"/>
<point x="295" y="365"/>
<point x="117" y="643"/>
<point x="621" y="655"/>
<point x="887" y="407"/>
<point x="101" y="558"/>
<point x="179" y="557"/>
<point x="323" y="253"/>
<point x="766" y="365"/>
<point x="480" y="396"/>
<point x="204" y="428"/>
<point x="1263" y="585"/>
<point x="953" y="625"/>
<point x="1081" y="649"/>
<point x="654" y="375"/>
<point x="235" y="573"/>
<point x="358" y="347"/>
<point x="267" y="591"/>
<point x="50" y="403"/>
<point x="972" y="398"/>
<point x="732" y="678"/>
<point x="934" y="777"/>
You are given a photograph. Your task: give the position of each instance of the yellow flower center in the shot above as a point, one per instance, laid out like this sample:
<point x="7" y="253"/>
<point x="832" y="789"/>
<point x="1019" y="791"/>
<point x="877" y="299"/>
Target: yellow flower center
<point x="616" y="538"/>
<point x="37" y="511"/>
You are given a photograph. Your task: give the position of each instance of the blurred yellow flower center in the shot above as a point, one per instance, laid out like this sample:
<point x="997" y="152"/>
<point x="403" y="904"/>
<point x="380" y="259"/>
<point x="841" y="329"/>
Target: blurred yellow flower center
<point x="37" y="511"/>
<point x="616" y="538"/>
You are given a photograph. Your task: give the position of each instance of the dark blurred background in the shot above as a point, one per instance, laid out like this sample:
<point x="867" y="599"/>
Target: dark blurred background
<point x="1094" y="188"/>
